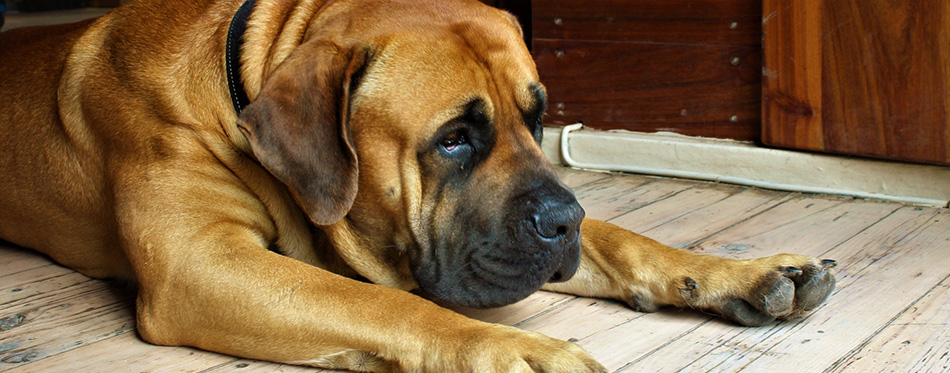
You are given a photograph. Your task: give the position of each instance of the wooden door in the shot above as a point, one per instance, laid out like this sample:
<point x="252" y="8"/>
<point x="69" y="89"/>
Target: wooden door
<point x="859" y="77"/>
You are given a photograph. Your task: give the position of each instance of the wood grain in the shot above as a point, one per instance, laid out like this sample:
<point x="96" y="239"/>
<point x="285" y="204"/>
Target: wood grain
<point x="617" y="195"/>
<point x="64" y="318"/>
<point x="127" y="350"/>
<point x="886" y="66"/>
<point x="574" y="178"/>
<point x="256" y="366"/>
<point x="804" y="225"/>
<point x="868" y="78"/>
<point x="706" y="22"/>
<point x="894" y="251"/>
<point x="518" y="313"/>
<point x="18" y="259"/>
<point x="908" y="343"/>
<point x="698" y="212"/>
<point x="791" y="80"/>
<point x="688" y="89"/>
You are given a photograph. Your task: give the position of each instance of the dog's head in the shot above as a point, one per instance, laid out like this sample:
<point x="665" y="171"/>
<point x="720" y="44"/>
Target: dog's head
<point x="418" y="132"/>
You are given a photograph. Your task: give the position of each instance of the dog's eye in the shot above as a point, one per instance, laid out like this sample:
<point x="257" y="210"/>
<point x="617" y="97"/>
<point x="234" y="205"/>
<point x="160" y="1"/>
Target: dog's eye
<point x="452" y="142"/>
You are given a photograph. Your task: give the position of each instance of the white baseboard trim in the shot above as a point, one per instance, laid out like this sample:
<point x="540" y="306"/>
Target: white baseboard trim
<point x="672" y="155"/>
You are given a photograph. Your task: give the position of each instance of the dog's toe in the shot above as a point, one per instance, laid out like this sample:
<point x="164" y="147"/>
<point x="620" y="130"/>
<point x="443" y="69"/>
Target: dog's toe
<point x="814" y="286"/>
<point x="787" y="286"/>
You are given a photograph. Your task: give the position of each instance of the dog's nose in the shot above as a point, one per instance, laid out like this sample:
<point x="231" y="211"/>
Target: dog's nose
<point x="558" y="219"/>
<point x="558" y="222"/>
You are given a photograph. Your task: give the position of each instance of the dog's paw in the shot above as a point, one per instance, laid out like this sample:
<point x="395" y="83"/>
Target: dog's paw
<point x="507" y="349"/>
<point x="763" y="290"/>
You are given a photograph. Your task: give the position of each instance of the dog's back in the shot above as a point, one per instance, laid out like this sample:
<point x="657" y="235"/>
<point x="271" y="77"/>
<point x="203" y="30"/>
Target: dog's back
<point x="52" y="188"/>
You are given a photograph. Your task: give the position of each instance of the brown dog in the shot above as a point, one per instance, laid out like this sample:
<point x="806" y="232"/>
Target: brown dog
<point x="389" y="141"/>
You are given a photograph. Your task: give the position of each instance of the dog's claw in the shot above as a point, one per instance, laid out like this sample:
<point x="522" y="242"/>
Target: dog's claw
<point x="829" y="263"/>
<point x="691" y="284"/>
<point x="792" y="271"/>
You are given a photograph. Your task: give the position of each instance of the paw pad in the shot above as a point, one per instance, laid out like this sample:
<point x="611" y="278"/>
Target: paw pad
<point x="789" y="291"/>
<point x="775" y="297"/>
<point x="743" y="313"/>
<point x="813" y="287"/>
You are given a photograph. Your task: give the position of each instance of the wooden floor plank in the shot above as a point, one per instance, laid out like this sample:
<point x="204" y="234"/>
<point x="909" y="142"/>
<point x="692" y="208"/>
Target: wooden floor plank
<point x="73" y="311"/>
<point x="698" y="212"/>
<point x="917" y="341"/>
<point x="574" y="178"/>
<point x="805" y="225"/>
<point x="38" y="282"/>
<point x="127" y="350"/>
<point x="610" y="197"/>
<point x="15" y="259"/>
<point x="580" y="318"/>
<point x="622" y="348"/>
<point x="891" y="252"/>
<point x="668" y="208"/>
<point x="514" y="314"/>
<point x="255" y="366"/>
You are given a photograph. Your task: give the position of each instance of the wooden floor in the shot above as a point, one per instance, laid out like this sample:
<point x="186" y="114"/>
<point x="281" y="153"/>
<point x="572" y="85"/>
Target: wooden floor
<point x="889" y="313"/>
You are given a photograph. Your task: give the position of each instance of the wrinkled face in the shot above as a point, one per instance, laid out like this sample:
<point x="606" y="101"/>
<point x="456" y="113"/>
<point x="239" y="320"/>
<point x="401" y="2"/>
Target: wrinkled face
<point x="447" y="129"/>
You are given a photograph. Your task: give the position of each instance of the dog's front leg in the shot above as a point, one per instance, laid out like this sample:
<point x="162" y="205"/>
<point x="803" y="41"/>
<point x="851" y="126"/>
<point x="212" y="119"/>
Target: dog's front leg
<point x="245" y="301"/>
<point x="197" y="239"/>
<point x="620" y="264"/>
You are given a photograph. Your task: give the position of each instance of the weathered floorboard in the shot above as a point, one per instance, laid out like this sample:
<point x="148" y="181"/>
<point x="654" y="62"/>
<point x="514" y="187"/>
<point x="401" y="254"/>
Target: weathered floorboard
<point x="868" y="297"/>
<point x="917" y="341"/>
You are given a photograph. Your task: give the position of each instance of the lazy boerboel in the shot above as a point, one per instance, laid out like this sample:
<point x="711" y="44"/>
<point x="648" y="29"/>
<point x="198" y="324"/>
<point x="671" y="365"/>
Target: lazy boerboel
<point x="386" y="153"/>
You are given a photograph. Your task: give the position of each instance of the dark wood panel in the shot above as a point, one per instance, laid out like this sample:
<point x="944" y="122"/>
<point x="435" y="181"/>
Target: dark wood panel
<point x="694" y="90"/>
<point x="887" y="78"/>
<point x="791" y="82"/>
<point x="868" y="78"/>
<point x="721" y="22"/>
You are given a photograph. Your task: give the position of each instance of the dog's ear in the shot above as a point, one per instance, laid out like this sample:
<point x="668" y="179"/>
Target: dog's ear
<point x="298" y="128"/>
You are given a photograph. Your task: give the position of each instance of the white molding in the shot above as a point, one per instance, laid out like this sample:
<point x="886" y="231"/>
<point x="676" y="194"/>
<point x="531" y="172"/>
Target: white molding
<point x="666" y="154"/>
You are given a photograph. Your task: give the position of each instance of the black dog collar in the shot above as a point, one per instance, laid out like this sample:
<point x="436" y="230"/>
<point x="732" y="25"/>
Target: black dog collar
<point x="233" y="55"/>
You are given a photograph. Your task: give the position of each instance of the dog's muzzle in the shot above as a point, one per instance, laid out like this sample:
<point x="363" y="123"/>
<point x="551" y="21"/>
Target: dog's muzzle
<point x="508" y="255"/>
